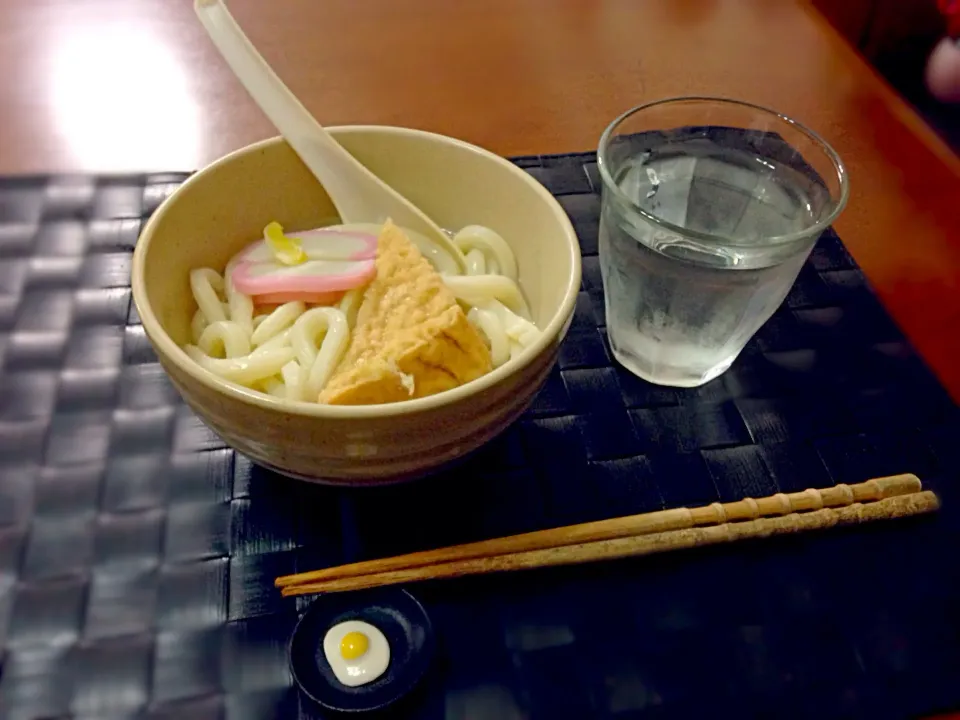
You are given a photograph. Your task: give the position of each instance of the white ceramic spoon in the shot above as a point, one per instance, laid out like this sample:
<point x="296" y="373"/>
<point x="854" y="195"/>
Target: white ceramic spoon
<point x="358" y="194"/>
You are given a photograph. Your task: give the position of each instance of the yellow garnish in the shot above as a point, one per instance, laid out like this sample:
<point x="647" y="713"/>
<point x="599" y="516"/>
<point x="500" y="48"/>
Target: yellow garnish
<point x="353" y="645"/>
<point x="286" y="249"/>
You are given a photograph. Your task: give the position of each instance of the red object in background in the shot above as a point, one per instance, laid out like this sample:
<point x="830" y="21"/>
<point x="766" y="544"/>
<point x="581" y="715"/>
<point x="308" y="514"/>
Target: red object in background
<point x="951" y="11"/>
<point x="943" y="65"/>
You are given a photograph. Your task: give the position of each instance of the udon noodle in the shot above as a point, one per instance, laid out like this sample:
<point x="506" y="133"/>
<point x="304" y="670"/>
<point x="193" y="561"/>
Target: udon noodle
<point x="291" y="350"/>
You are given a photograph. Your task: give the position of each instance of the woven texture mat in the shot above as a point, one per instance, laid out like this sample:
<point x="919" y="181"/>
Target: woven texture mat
<point x="137" y="553"/>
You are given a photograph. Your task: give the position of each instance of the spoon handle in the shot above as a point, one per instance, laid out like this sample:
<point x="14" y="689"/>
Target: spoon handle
<point x="325" y="158"/>
<point x="358" y="194"/>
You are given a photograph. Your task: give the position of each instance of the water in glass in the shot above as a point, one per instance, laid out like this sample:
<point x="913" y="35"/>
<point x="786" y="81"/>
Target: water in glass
<point x="681" y="304"/>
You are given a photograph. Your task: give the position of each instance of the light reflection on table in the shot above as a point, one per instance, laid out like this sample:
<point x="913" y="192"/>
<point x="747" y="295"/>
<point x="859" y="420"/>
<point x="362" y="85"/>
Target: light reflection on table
<point x="113" y="111"/>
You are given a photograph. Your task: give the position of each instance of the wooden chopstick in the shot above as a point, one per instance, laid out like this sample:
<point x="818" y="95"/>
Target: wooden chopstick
<point x="657" y="542"/>
<point x="631" y="525"/>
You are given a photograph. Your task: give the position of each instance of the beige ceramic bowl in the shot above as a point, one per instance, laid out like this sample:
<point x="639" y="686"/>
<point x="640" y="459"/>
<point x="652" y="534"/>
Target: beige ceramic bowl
<point x="220" y="209"/>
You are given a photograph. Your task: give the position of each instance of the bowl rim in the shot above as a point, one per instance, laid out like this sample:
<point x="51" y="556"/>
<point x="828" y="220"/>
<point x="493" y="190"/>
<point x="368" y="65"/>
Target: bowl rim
<point x="174" y="353"/>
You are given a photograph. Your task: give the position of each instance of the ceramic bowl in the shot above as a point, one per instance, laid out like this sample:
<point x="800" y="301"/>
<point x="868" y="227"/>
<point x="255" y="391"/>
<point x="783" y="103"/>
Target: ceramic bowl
<point x="220" y="209"/>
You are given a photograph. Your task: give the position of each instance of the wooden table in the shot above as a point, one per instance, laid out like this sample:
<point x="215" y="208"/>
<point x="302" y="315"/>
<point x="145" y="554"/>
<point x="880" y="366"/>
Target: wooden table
<point x="124" y="85"/>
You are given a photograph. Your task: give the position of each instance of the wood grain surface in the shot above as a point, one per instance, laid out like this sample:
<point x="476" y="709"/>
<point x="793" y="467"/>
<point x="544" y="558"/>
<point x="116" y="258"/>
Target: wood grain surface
<point x="646" y="544"/>
<point x="659" y="521"/>
<point x="130" y="85"/>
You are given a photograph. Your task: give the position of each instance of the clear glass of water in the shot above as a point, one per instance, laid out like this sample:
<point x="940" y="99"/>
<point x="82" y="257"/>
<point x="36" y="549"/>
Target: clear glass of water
<point x="710" y="207"/>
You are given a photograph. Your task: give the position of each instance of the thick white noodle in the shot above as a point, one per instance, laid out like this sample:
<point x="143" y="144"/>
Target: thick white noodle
<point x="438" y="255"/>
<point x="225" y="338"/>
<point x="278" y="321"/>
<point x="518" y="329"/>
<point x="494" y="247"/>
<point x="489" y="324"/>
<point x="205" y="284"/>
<point x="350" y="304"/>
<point x="240" y="306"/>
<point x="277" y="341"/>
<point x="274" y="386"/>
<point x="292" y="376"/>
<point x="476" y="262"/>
<point x="292" y="352"/>
<point x="331" y="324"/>
<point x="197" y="325"/>
<point x="478" y="290"/>
<point x="245" y="370"/>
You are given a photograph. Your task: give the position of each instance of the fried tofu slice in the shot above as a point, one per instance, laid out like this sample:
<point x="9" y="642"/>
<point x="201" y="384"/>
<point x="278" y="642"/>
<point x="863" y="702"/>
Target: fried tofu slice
<point x="411" y="338"/>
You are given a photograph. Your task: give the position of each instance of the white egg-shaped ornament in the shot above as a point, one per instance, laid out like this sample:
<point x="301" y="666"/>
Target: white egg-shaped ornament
<point x="357" y="652"/>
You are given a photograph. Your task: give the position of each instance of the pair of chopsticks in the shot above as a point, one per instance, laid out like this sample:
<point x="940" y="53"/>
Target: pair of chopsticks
<point x="878" y="499"/>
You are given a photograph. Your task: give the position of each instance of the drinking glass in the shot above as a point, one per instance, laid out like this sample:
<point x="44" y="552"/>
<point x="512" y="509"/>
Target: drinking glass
<point x="710" y="207"/>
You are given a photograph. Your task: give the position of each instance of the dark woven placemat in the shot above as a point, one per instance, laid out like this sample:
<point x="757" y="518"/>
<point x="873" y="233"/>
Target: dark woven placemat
<point x="137" y="553"/>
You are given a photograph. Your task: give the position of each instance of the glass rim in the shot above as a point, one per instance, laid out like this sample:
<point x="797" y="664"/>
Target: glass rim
<point x="774" y="241"/>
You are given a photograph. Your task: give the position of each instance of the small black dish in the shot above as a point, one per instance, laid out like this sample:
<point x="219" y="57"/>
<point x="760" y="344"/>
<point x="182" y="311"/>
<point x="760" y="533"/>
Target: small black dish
<point x="401" y="619"/>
